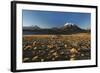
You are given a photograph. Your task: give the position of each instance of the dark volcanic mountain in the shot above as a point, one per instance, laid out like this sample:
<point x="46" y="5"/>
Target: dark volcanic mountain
<point x="71" y="28"/>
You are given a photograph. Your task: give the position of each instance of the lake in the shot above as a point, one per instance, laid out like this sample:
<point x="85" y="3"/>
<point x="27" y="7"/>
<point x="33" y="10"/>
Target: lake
<point x="34" y="32"/>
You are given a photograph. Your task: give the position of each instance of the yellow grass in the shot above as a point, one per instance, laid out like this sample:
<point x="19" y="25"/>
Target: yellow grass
<point x="80" y="36"/>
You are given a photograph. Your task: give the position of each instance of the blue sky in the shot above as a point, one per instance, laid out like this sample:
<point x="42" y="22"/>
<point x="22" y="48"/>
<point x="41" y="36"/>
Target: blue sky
<point x="49" y="19"/>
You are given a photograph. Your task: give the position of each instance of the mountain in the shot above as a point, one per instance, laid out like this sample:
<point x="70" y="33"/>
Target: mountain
<point x="71" y="28"/>
<point x="31" y="28"/>
<point x="36" y="27"/>
<point x="68" y="28"/>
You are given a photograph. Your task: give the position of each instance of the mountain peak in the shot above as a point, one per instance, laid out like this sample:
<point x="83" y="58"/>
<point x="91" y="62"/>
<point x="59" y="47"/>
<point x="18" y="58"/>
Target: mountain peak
<point x="35" y="27"/>
<point x="70" y="27"/>
<point x="69" y="24"/>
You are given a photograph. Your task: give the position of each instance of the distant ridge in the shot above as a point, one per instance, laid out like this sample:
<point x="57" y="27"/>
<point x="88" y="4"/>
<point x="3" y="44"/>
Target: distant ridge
<point x="68" y="28"/>
<point x="31" y="27"/>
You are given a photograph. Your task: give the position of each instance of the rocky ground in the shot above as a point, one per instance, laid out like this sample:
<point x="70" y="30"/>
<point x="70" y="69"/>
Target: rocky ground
<point x="39" y="48"/>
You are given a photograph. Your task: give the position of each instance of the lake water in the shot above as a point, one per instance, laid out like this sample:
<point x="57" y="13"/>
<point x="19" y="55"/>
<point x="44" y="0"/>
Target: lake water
<point x="32" y="32"/>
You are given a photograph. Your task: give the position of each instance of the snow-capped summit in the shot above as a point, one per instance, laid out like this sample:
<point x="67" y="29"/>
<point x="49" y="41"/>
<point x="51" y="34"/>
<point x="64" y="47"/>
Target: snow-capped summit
<point x="70" y="27"/>
<point x="68" y="24"/>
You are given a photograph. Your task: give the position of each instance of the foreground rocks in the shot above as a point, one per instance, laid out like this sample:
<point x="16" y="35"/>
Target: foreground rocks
<point x="56" y="49"/>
